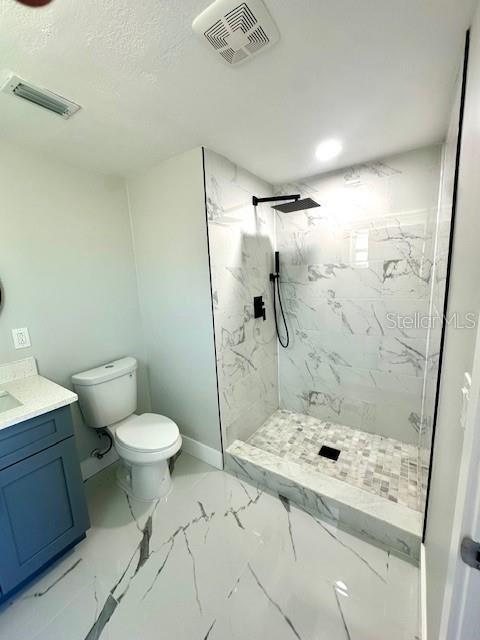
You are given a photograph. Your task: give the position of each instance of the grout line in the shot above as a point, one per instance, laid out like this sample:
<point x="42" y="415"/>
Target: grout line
<point x="275" y="436"/>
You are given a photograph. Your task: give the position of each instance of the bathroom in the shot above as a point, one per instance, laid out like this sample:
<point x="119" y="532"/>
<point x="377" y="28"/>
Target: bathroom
<point x="238" y="361"/>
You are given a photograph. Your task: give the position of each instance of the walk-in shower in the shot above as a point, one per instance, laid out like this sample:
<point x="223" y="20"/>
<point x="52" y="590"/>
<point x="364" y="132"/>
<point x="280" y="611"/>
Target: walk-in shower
<point x="338" y="420"/>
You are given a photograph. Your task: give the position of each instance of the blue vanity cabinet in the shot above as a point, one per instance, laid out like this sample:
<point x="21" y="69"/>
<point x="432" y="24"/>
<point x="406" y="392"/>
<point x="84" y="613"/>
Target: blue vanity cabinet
<point x="43" y="511"/>
<point x="26" y="438"/>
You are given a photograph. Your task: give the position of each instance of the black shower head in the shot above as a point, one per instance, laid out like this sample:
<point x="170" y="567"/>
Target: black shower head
<point x="296" y="205"/>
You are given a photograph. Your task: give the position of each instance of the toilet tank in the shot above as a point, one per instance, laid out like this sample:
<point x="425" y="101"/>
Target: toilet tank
<point x="107" y="393"/>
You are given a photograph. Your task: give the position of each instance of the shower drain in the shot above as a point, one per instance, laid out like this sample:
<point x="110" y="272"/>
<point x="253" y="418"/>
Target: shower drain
<point x="329" y="452"/>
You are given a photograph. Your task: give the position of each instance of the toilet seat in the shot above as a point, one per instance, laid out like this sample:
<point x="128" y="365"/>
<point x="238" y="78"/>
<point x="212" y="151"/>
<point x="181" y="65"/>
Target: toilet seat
<point x="147" y="433"/>
<point x="144" y="444"/>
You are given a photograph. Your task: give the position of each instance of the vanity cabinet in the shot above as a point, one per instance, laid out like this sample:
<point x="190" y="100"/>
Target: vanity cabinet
<point x="43" y="510"/>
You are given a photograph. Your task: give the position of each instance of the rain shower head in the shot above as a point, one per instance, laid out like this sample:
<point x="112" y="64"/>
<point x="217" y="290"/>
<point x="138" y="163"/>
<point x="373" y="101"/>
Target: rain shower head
<point x="295" y="203"/>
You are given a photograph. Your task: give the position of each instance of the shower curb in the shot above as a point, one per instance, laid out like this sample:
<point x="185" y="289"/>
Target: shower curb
<point x="388" y="525"/>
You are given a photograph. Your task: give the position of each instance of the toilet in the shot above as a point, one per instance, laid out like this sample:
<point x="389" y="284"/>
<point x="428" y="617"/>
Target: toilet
<point x="108" y="399"/>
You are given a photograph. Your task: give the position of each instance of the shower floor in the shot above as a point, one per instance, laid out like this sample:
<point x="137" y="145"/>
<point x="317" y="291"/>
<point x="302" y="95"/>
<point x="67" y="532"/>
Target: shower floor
<point x="383" y="466"/>
<point x="371" y="490"/>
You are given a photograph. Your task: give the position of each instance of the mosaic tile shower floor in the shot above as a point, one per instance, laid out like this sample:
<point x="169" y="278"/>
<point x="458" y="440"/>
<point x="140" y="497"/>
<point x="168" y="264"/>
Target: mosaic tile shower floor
<point x="383" y="466"/>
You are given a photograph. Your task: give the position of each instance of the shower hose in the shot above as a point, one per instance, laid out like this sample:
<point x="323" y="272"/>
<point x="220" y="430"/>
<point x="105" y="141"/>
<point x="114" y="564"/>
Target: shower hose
<point x="276" y="291"/>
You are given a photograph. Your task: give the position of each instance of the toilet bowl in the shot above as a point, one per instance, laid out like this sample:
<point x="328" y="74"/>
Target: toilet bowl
<point x="108" y="397"/>
<point x="144" y="444"/>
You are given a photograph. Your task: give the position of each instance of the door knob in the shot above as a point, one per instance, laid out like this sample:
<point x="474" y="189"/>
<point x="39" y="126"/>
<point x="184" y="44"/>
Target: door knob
<point x="470" y="552"/>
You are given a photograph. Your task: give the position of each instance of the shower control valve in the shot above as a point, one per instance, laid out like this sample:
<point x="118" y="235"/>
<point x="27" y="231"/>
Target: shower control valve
<point x="259" y="307"/>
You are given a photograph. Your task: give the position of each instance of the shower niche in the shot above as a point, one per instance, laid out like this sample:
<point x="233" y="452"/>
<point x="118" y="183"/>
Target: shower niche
<point x="351" y="364"/>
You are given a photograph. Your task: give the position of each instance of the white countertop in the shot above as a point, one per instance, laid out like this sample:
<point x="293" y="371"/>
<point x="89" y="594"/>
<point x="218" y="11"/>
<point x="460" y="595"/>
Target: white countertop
<point x="36" y="394"/>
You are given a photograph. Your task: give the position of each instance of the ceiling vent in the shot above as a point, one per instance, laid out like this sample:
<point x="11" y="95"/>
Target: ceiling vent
<point x="41" y="97"/>
<point x="237" y="31"/>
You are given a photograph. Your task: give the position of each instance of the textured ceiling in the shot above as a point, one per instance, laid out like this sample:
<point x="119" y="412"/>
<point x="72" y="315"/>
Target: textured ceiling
<point x="378" y="74"/>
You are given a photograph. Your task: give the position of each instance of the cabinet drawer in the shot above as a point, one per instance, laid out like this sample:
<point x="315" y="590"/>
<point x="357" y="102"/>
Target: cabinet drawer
<point x="42" y="512"/>
<point x="29" y="437"/>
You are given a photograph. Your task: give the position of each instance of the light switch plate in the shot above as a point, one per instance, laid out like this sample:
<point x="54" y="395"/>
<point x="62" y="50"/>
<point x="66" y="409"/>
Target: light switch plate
<point x="21" y="338"/>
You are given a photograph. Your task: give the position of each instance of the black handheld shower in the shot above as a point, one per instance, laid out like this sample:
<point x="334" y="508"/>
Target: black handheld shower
<point x="275" y="279"/>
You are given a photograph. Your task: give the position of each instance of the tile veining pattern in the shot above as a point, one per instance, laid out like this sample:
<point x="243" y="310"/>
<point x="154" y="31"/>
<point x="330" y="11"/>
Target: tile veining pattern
<point x="383" y="466"/>
<point x="241" y="240"/>
<point x="387" y="524"/>
<point x="356" y="282"/>
<point x="217" y="559"/>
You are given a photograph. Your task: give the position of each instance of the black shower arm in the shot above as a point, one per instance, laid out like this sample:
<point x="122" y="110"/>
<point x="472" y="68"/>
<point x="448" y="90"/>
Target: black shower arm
<point x="255" y="200"/>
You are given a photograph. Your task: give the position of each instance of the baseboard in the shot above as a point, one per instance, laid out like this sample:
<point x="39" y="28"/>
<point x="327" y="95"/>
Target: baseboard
<point x="91" y="465"/>
<point x="202" y="452"/>
<point x="423" y="593"/>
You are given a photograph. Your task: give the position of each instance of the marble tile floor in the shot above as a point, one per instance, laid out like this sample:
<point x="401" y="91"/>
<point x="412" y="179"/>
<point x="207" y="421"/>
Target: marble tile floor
<point x="217" y="559"/>
<point x="383" y="466"/>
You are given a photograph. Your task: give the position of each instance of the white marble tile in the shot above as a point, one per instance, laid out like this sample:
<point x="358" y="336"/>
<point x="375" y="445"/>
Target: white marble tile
<point x="377" y="279"/>
<point x="310" y="563"/>
<point x="365" y="352"/>
<point x="350" y="269"/>
<point x="246" y="422"/>
<point x="241" y="241"/>
<point x="218" y="559"/>
<point x="78" y="617"/>
<point x="36" y="607"/>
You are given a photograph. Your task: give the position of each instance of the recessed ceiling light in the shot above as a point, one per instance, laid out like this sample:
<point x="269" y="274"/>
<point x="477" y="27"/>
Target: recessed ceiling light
<point x="328" y="149"/>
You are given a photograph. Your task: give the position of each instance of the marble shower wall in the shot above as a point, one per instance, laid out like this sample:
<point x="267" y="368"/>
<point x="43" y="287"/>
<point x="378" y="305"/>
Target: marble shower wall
<point x="241" y="240"/>
<point x="356" y="280"/>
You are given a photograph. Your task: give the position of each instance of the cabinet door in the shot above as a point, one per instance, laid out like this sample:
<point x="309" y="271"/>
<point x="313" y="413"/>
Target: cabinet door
<point x="42" y="511"/>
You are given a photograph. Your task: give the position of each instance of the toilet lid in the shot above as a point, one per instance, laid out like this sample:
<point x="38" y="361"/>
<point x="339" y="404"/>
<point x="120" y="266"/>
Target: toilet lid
<point x="148" y="432"/>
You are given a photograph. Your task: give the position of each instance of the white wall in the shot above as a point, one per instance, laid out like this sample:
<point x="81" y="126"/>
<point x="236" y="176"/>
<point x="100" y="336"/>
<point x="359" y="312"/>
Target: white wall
<point x="67" y="269"/>
<point x="167" y="205"/>
<point x="459" y="347"/>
